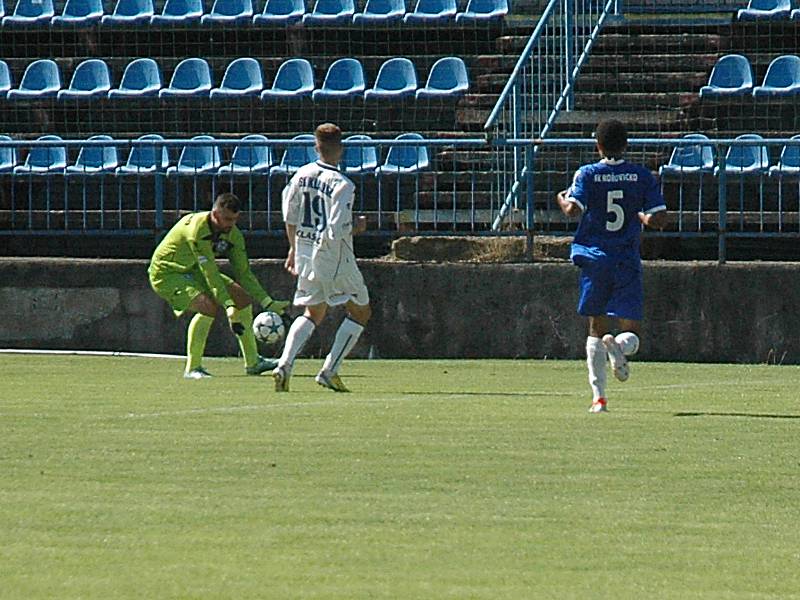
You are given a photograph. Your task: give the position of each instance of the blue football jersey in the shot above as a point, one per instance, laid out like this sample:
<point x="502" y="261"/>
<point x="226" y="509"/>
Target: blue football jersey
<point x="611" y="193"/>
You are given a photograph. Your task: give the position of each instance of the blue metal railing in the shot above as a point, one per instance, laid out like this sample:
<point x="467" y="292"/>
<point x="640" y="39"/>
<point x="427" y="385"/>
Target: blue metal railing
<point x="540" y="87"/>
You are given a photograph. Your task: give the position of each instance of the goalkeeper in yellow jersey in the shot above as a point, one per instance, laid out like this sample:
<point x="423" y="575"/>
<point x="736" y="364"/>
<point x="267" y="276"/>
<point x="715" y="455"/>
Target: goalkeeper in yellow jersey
<point x="183" y="271"/>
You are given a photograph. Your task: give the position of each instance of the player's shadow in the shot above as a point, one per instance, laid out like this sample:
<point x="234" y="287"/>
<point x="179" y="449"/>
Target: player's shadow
<point x="736" y="414"/>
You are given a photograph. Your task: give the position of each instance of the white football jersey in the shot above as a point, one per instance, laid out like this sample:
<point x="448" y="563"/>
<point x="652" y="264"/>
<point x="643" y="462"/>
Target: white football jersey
<point x="318" y="200"/>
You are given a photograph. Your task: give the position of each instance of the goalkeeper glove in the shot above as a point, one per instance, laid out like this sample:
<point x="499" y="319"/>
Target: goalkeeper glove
<point x="277" y="306"/>
<point x="233" y="320"/>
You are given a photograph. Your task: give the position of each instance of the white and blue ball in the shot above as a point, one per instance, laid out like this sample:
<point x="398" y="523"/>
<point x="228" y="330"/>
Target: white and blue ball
<point x="268" y="327"/>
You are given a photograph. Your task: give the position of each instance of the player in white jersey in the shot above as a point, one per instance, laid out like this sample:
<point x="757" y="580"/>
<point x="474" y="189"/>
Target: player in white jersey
<point x="318" y="211"/>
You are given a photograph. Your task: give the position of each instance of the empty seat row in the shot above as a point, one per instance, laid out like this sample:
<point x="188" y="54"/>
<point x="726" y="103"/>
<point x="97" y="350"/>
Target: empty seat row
<point x="768" y="9"/>
<point x="397" y="77"/>
<point x="206" y="159"/>
<point x="739" y="159"/>
<point x="733" y="76"/>
<point x="280" y="12"/>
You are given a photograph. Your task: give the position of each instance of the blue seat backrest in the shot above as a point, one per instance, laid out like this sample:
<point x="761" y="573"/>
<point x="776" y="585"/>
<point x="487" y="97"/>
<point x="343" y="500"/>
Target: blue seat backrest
<point x="191" y="73"/>
<point x="130" y="8"/>
<point x="783" y="71"/>
<point x="333" y="7"/>
<point x="148" y="156"/>
<point x="41" y="156"/>
<point x="408" y="156"/>
<point x="747" y="156"/>
<point x="242" y="73"/>
<point x="245" y="156"/>
<point x="732" y="70"/>
<point x="8" y="154"/>
<point x="396" y="73"/>
<point x="33" y="8"/>
<point x="790" y="155"/>
<point x="231" y="8"/>
<point x="140" y="73"/>
<point x="5" y="76"/>
<point x="90" y="74"/>
<point x="182" y="7"/>
<point x="97" y="156"/>
<point x="197" y="157"/>
<point x="699" y="156"/>
<point x="434" y="7"/>
<point x="41" y="74"/>
<point x="297" y="156"/>
<point x="81" y="8"/>
<point x="447" y="73"/>
<point x="344" y="74"/>
<point x="294" y="74"/>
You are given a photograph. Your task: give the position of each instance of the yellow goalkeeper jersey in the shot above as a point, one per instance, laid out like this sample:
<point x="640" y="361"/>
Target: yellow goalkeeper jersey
<point x="191" y="246"/>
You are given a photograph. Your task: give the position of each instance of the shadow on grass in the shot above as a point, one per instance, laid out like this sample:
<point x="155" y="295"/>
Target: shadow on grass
<point x="735" y="414"/>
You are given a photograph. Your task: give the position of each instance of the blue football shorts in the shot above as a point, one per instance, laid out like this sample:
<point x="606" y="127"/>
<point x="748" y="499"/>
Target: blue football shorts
<point x="611" y="284"/>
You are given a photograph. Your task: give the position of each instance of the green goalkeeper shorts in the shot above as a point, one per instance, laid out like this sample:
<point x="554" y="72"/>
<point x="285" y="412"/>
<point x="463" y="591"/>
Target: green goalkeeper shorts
<point x="179" y="289"/>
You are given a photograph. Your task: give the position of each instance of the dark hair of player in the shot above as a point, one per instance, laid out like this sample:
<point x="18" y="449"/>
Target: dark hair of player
<point x="328" y="134"/>
<point x="612" y="137"/>
<point x="228" y="201"/>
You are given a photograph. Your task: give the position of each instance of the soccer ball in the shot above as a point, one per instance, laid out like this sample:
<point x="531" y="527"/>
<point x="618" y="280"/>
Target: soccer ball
<point x="268" y="327"/>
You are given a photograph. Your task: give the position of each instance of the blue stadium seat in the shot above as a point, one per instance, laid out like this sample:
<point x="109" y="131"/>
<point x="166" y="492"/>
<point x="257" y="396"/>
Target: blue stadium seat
<point x="731" y="76"/>
<point x="281" y="12"/>
<point x="396" y="78"/>
<point x="789" y="162"/>
<point x="782" y="78"/>
<point x="242" y="78"/>
<point x="381" y="11"/>
<point x="329" y="12"/>
<point x="91" y="79"/>
<point x="448" y="77"/>
<point x="249" y="159"/>
<point x="2" y="10"/>
<point x="79" y="13"/>
<point x="192" y="77"/>
<point x="197" y="159"/>
<point x="179" y="12"/>
<point x="41" y="79"/>
<point x="44" y="159"/>
<point x="93" y="160"/>
<point x="483" y="10"/>
<point x="690" y="159"/>
<point x="130" y="12"/>
<point x="294" y="79"/>
<point x="141" y="78"/>
<point x="30" y="12"/>
<point x="795" y="15"/>
<point x="765" y="9"/>
<point x="229" y="12"/>
<point x="405" y="159"/>
<point x="145" y="159"/>
<point x="746" y="160"/>
<point x="345" y="77"/>
<point x="8" y="155"/>
<point x="431" y="11"/>
<point x="5" y="78"/>
<point x="295" y="157"/>
<point x="359" y="159"/>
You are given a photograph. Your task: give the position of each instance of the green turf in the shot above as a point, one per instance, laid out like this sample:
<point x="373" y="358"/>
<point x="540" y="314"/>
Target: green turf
<point x="433" y="479"/>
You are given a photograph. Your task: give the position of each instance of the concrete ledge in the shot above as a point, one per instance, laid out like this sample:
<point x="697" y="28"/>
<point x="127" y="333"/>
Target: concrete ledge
<point x="740" y="312"/>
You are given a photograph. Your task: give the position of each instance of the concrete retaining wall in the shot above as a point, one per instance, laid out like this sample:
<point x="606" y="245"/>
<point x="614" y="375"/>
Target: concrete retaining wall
<point x="743" y="312"/>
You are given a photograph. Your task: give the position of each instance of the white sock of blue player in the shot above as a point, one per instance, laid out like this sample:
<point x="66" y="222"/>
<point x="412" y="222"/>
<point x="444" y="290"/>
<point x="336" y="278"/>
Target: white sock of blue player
<point x="346" y="337"/>
<point x="596" y="361"/>
<point x="628" y="342"/>
<point x="298" y="335"/>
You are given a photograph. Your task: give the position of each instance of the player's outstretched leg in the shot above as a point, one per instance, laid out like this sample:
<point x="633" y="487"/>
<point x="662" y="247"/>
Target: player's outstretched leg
<point x="619" y="364"/>
<point x="301" y="329"/>
<point x="596" y="363"/>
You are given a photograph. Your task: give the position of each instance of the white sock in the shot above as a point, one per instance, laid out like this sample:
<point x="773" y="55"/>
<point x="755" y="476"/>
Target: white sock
<point x="596" y="361"/>
<point x="628" y="342"/>
<point x="298" y="335"/>
<point x="346" y="337"/>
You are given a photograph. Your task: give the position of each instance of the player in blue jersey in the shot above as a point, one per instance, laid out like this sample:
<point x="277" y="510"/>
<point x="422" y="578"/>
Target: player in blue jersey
<point x="613" y="198"/>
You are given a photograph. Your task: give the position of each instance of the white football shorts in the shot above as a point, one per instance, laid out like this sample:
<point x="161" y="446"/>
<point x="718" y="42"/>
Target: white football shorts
<point x="347" y="286"/>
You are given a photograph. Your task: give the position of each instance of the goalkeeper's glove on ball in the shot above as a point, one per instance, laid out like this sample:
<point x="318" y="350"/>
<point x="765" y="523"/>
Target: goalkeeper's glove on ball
<point x="233" y="320"/>
<point x="276" y="306"/>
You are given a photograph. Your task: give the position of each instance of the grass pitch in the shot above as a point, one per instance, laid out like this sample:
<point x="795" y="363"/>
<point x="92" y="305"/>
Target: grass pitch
<point x="433" y="479"/>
